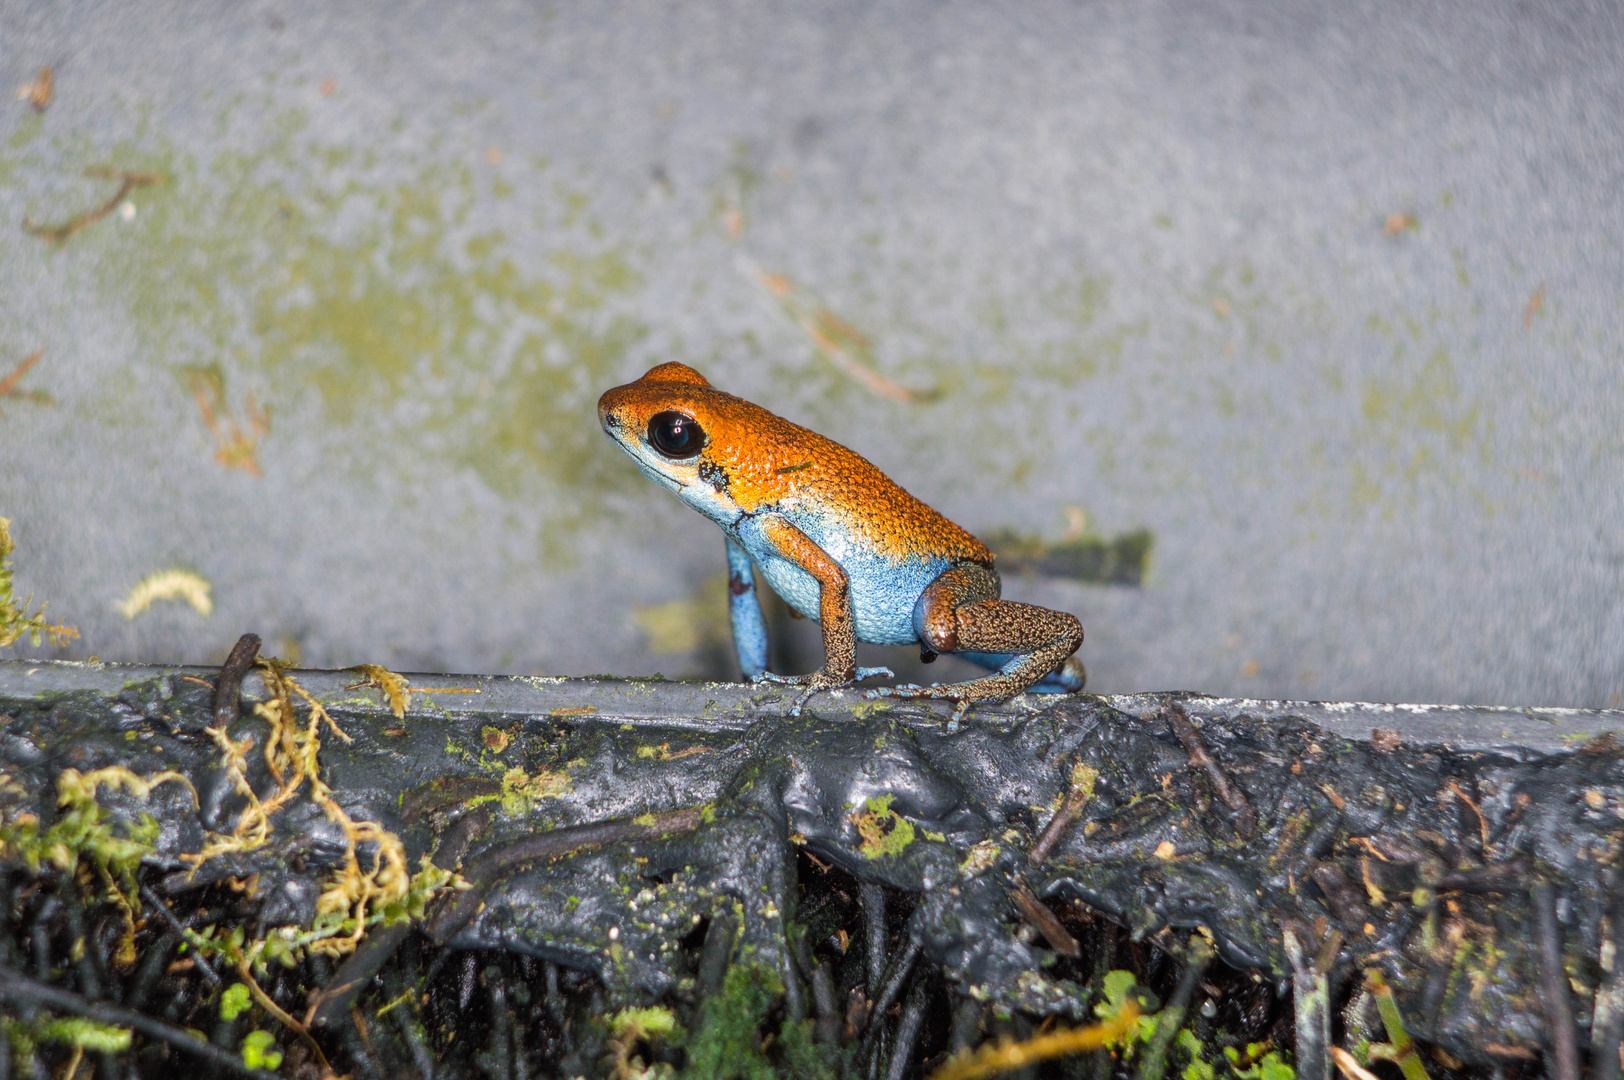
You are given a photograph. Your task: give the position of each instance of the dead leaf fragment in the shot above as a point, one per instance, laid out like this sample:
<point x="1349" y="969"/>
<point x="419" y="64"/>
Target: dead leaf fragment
<point x="1399" y="223"/>
<point x="396" y="688"/>
<point x="39" y="92"/>
<point x="234" y="446"/>
<point x="1536" y="304"/>
<point x="847" y="347"/>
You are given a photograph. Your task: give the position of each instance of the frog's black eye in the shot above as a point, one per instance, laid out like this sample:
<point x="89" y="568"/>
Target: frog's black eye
<point x="676" y="435"/>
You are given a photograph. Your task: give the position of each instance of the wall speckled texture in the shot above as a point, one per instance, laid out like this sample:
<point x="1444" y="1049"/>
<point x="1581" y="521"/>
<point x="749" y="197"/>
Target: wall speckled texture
<point x="1330" y="301"/>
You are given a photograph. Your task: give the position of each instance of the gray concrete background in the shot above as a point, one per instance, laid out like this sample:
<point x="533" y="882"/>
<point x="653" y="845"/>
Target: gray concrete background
<point x="1140" y="250"/>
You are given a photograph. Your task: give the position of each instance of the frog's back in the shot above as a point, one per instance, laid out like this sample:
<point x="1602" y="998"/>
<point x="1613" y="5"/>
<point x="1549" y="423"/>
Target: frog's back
<point x="835" y="496"/>
<point x="890" y="544"/>
<point x="754" y="465"/>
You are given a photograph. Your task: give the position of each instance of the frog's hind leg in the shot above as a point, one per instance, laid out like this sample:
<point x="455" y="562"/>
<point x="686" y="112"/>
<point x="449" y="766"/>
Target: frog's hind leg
<point x="960" y="612"/>
<point x="1068" y="678"/>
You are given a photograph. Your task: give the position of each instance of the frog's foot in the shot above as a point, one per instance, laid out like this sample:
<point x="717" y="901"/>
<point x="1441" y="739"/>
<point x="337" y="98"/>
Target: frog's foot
<point x="819" y="680"/>
<point x="961" y="702"/>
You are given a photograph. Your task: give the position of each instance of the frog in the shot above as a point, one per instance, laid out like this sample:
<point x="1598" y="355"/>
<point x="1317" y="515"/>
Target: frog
<point x="840" y="543"/>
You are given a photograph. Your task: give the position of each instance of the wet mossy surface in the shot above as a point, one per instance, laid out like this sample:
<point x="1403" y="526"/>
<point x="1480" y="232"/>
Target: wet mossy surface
<point x="726" y="891"/>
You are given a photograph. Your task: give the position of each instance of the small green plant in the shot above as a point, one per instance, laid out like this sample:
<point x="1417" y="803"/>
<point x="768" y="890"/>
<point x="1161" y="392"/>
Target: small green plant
<point x="233" y="1002"/>
<point x="259" y="1050"/>
<point x="1199" y="1067"/>
<point x="1119" y="994"/>
<point x="84" y="832"/>
<point x="15" y="621"/>
<point x="628" y="1028"/>
<point x="1268" y="1067"/>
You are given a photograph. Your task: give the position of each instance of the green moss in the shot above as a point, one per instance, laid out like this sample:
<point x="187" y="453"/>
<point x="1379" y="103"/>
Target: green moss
<point x="90" y="1035"/>
<point x="15" y="620"/>
<point x="1198" y="1068"/>
<point x="374" y="309"/>
<point x="804" y="1059"/>
<point x="882" y="830"/>
<point x="521" y="791"/>
<point x="727" y="1045"/>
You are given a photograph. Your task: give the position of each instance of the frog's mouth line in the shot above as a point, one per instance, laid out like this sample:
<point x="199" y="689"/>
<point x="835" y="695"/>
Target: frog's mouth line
<point x="641" y="455"/>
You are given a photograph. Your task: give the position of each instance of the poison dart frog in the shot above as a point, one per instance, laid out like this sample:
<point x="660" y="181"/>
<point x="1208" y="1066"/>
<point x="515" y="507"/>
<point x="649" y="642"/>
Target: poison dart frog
<point x="840" y="542"/>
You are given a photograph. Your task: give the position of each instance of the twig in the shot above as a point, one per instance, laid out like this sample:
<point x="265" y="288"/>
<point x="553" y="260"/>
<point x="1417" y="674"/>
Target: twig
<point x="337" y="998"/>
<point x="1153" y="1064"/>
<point x="899" y="978"/>
<point x="128" y="182"/>
<point x="912" y="1023"/>
<point x="1496" y="877"/>
<point x="1245" y="820"/>
<point x="1310" y="976"/>
<point x="483" y="870"/>
<point x="168" y="917"/>
<point x="1038" y="914"/>
<point x="9" y="383"/>
<point x="228" y="686"/>
<point x="1350" y="1065"/>
<point x="1082" y="790"/>
<point x="263" y="1000"/>
<point x="1554" y="983"/>
<point x="1482" y="822"/>
<point x="19" y="989"/>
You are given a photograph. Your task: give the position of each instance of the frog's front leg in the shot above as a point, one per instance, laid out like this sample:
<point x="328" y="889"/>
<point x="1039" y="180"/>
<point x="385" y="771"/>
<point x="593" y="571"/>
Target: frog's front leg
<point x="960" y="612"/>
<point x="834" y="613"/>
<point x="744" y="608"/>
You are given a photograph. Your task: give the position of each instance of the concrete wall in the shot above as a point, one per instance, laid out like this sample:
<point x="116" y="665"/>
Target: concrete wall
<point x="1327" y="297"/>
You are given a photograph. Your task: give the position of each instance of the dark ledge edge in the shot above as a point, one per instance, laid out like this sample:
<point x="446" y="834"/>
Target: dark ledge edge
<point x="738" y="705"/>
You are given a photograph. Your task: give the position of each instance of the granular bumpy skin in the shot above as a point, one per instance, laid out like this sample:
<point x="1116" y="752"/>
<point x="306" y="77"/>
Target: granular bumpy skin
<point x="838" y="540"/>
<point x="769" y="462"/>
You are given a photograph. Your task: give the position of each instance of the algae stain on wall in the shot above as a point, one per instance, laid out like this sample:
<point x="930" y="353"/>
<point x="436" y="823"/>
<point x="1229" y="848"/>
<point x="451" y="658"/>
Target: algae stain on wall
<point x="428" y="333"/>
<point x="1416" y="422"/>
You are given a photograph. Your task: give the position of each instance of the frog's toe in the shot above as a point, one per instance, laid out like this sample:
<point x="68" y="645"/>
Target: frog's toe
<point x="872" y="673"/>
<point x="899" y="690"/>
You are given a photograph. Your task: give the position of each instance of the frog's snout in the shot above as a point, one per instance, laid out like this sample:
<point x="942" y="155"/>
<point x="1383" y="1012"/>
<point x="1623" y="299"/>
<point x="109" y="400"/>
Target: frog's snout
<point x="609" y="417"/>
